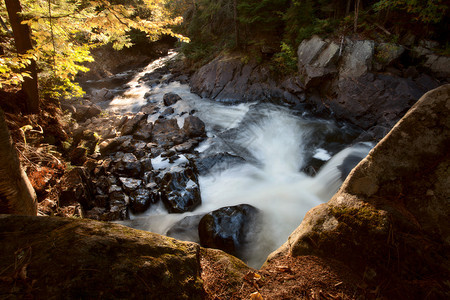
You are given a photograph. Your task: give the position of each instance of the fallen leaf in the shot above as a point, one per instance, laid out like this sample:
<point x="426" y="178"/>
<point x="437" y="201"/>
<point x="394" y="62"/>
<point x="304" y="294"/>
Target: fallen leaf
<point x="284" y="269"/>
<point x="252" y="276"/>
<point x="256" y="296"/>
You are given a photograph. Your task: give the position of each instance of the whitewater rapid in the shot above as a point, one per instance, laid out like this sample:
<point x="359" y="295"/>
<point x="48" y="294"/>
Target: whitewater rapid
<point x="276" y="147"/>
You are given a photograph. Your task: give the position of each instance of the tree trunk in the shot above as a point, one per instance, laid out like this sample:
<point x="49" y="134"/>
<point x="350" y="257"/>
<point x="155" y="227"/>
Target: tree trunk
<point x="347" y="8"/>
<point x="355" y="25"/>
<point x="23" y="43"/>
<point x="236" y="25"/>
<point x="17" y="196"/>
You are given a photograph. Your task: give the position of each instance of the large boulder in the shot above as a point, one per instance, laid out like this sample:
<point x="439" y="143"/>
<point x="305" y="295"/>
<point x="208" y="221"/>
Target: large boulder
<point x="170" y="99"/>
<point x="228" y="228"/>
<point x="167" y="133"/>
<point x="194" y="127"/>
<point x="179" y="187"/>
<point x="57" y="258"/>
<point x="317" y="59"/>
<point x="357" y="58"/>
<point x="389" y="221"/>
<point x="438" y="64"/>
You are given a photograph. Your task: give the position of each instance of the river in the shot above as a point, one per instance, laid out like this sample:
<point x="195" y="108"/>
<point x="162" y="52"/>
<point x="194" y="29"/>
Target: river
<point x="283" y="162"/>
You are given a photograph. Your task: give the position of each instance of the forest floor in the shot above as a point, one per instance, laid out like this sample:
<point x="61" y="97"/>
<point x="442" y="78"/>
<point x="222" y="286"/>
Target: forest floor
<point x="287" y="277"/>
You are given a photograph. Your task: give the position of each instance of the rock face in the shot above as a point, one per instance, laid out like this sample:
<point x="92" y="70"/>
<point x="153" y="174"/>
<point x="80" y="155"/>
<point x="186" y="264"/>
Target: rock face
<point x="58" y="258"/>
<point x="227" y="79"/>
<point x="359" y="81"/>
<point x="372" y="100"/>
<point x="389" y="221"/>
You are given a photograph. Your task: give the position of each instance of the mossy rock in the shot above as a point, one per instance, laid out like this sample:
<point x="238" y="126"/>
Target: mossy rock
<point x="57" y="258"/>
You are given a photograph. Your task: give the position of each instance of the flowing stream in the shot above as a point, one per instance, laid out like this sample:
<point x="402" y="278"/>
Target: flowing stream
<point x="277" y="149"/>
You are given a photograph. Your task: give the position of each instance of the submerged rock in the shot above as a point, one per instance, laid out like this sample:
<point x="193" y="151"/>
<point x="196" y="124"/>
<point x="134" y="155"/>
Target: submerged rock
<point x="170" y="99"/>
<point x="186" y="229"/>
<point x="228" y="228"/>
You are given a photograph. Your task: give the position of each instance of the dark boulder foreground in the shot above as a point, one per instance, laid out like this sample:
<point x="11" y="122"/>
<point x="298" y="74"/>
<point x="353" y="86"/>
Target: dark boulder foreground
<point x="389" y="221"/>
<point x="57" y="258"/>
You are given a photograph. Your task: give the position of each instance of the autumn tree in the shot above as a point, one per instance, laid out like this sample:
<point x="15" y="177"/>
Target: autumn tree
<point x="23" y="43"/>
<point x="65" y="31"/>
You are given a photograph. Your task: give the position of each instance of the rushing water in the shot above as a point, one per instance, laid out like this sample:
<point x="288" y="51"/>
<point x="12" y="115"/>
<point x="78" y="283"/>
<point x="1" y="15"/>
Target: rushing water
<point x="276" y="147"/>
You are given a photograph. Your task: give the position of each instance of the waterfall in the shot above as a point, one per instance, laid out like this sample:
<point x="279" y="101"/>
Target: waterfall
<point x="270" y="147"/>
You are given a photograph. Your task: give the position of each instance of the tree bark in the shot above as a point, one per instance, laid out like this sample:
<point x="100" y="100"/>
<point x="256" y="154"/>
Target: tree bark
<point x="17" y="196"/>
<point x="236" y="25"/>
<point x="355" y="25"/>
<point x="23" y="43"/>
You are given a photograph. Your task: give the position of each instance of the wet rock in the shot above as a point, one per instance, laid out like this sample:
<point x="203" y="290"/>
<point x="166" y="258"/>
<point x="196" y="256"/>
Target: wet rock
<point x="128" y="165"/>
<point x="130" y="125"/>
<point x="167" y="112"/>
<point x="146" y="164"/>
<point x="166" y="133"/>
<point x="217" y="162"/>
<point x="144" y="132"/>
<point x="293" y="85"/>
<point x="194" y="127"/>
<point x="149" y="108"/>
<point x="186" y="229"/>
<point x="114" y="188"/>
<point x="180" y="191"/>
<point x="170" y="99"/>
<point x="227" y="228"/>
<point x="118" y="207"/>
<point x="130" y="184"/>
<point x="186" y="147"/>
<point x="141" y="199"/>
